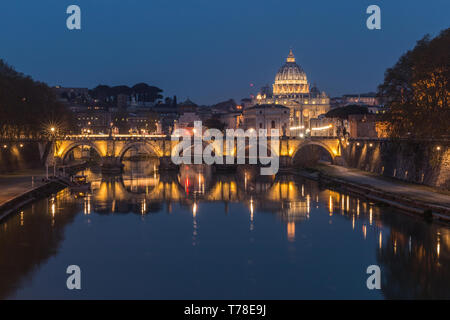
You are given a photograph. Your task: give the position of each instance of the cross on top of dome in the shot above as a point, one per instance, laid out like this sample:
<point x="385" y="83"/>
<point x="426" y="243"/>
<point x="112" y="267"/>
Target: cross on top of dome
<point x="291" y="57"/>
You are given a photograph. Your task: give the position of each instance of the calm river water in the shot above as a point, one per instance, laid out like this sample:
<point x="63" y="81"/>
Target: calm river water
<point x="195" y="234"/>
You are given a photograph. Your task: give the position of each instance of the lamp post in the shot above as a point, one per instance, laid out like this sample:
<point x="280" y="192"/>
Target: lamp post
<point x="53" y="132"/>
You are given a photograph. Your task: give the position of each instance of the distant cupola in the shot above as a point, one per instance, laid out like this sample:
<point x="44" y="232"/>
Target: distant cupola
<point x="290" y="78"/>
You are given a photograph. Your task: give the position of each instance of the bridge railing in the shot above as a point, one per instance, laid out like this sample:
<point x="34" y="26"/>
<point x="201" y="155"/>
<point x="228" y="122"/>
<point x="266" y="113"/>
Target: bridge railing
<point x="116" y="136"/>
<point x="150" y="136"/>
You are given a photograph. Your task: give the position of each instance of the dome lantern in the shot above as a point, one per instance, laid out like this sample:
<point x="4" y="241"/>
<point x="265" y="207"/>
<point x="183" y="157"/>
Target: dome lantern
<point x="291" y="57"/>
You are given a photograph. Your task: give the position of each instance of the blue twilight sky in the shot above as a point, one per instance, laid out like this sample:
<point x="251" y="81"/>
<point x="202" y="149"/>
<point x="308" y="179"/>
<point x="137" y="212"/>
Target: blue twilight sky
<point x="210" y="50"/>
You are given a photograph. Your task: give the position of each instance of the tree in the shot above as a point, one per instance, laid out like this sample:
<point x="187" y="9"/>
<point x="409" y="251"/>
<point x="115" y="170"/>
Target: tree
<point x="214" y="123"/>
<point x="28" y="107"/>
<point x="147" y="93"/>
<point x="142" y="91"/>
<point x="344" y="112"/>
<point x="168" y="101"/>
<point x="417" y="91"/>
<point x="174" y="101"/>
<point x="101" y="92"/>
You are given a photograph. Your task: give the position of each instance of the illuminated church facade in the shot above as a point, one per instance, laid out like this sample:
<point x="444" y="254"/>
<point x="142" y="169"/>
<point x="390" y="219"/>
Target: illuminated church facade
<point x="291" y="89"/>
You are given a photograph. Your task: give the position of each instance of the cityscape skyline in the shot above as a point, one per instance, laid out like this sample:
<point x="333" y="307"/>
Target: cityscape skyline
<point x="333" y="46"/>
<point x="207" y="153"/>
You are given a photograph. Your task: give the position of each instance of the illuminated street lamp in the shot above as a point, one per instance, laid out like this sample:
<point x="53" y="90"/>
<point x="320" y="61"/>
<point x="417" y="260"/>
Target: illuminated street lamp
<point x="53" y="131"/>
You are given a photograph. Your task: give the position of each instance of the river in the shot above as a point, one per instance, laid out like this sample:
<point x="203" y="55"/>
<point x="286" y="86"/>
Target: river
<point x="198" y="234"/>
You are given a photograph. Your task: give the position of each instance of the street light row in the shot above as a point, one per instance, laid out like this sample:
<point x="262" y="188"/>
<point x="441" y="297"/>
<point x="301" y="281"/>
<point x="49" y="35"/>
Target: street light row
<point x="437" y="148"/>
<point x="5" y="146"/>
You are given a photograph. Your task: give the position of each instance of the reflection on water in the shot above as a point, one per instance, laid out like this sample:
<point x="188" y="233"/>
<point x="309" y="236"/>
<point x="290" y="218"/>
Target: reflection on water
<point x="201" y="234"/>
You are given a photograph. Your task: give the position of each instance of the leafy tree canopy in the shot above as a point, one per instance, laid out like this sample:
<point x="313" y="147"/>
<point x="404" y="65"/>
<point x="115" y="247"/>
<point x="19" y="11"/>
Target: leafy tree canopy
<point x="417" y="92"/>
<point x="214" y="123"/>
<point x="344" y="112"/>
<point x="27" y="107"/>
<point x="142" y="91"/>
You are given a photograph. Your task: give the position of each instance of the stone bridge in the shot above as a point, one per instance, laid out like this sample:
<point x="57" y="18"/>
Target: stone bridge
<point x="424" y="161"/>
<point x="112" y="149"/>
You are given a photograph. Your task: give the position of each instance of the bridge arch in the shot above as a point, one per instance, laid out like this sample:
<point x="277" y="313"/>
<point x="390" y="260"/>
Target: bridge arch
<point x="145" y="185"/>
<point x="68" y="148"/>
<point x="246" y="149"/>
<point x="148" y="147"/>
<point x="191" y="150"/>
<point x="297" y="154"/>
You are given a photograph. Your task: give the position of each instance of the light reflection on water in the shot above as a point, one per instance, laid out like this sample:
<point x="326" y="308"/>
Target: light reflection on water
<point x="200" y="234"/>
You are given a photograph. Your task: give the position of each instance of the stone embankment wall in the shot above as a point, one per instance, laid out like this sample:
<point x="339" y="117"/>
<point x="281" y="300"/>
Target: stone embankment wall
<point x="424" y="162"/>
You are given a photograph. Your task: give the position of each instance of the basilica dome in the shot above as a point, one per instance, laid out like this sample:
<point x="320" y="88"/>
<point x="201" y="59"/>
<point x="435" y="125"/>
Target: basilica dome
<point x="290" y="79"/>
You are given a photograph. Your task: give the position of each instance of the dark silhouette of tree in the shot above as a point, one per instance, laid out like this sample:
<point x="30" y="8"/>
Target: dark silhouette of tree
<point x="115" y="91"/>
<point x="28" y="107"/>
<point x="214" y="123"/>
<point x="101" y="92"/>
<point x="141" y="91"/>
<point x="168" y="101"/>
<point x="344" y="112"/>
<point x="416" y="90"/>
<point x="174" y="101"/>
<point x="147" y="93"/>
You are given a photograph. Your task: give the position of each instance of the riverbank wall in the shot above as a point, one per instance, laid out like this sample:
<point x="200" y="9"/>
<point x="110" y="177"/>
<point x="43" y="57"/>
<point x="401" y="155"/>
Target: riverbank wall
<point x="29" y="196"/>
<point x="422" y="162"/>
<point x="406" y="204"/>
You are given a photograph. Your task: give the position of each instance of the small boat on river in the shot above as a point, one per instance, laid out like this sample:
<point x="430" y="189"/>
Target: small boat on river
<point x="80" y="184"/>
